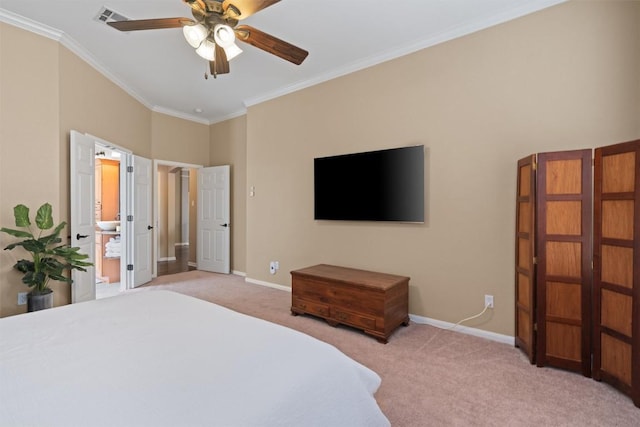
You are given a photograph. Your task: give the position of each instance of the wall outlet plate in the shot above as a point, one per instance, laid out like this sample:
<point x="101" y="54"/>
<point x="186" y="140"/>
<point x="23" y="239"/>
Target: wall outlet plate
<point x="22" y="298"/>
<point x="488" y="301"/>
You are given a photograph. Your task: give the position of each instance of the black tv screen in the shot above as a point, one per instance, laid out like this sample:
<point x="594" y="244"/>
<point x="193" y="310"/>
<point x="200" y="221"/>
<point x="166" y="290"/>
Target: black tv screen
<point x="383" y="185"/>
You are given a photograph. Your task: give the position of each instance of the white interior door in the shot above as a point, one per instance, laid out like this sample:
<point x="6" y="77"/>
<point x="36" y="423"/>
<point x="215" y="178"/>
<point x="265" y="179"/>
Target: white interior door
<point x="82" y="194"/>
<point x="139" y="262"/>
<point x="213" y="219"/>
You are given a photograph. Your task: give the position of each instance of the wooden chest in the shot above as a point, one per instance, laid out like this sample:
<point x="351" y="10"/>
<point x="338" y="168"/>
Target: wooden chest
<point x="377" y="303"/>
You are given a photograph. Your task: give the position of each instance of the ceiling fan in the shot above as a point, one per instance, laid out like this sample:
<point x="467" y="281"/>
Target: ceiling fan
<point x="214" y="30"/>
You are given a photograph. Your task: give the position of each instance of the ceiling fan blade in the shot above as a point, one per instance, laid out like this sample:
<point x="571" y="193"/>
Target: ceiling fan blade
<point x="221" y="64"/>
<point x="150" y="24"/>
<point x="241" y="9"/>
<point x="270" y="44"/>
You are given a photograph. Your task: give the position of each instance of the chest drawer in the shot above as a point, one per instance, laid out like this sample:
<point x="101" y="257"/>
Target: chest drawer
<point x="310" y="307"/>
<point x="353" y="319"/>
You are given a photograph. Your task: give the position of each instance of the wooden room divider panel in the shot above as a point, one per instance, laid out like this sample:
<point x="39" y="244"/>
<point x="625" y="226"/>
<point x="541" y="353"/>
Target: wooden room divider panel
<point x="525" y="251"/>
<point x="563" y="200"/>
<point x="616" y="357"/>
<point x="553" y="259"/>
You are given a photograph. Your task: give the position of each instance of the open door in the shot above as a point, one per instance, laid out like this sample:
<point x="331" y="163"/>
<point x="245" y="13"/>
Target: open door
<point x="140" y="219"/>
<point x="616" y="256"/>
<point x="525" y="261"/>
<point x="82" y="215"/>
<point x="213" y="219"/>
<point x="564" y="271"/>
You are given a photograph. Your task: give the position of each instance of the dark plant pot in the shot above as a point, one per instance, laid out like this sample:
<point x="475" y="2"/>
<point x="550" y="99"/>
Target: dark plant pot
<point x="39" y="301"/>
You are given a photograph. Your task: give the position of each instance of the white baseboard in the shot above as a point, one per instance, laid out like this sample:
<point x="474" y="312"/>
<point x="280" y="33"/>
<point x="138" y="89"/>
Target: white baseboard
<point x="493" y="336"/>
<point x="192" y="264"/>
<point x="505" y="339"/>
<point x="239" y="273"/>
<point x="267" y="284"/>
<point x="168" y="258"/>
<point x="181" y="244"/>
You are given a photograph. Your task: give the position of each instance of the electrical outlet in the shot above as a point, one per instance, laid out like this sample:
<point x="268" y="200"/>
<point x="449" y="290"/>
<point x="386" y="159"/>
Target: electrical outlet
<point x="277" y="264"/>
<point x="488" y="301"/>
<point x="22" y="298"/>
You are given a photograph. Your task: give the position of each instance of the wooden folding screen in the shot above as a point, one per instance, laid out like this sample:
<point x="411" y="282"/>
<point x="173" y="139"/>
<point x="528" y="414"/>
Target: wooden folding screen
<point x="553" y="259"/>
<point x="563" y="252"/>
<point x="525" y="252"/>
<point x="562" y="276"/>
<point x="616" y="357"/>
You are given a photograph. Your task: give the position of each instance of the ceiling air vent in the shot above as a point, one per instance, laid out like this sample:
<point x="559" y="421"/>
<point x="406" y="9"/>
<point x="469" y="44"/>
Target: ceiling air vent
<point x="107" y="15"/>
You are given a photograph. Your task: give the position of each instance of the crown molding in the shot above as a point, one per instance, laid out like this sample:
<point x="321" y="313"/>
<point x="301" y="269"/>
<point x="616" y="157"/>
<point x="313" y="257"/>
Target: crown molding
<point x="232" y="115"/>
<point x="30" y="25"/>
<point x="180" y="115"/>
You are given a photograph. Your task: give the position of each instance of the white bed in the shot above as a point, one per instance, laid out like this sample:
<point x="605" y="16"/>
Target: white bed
<point x="158" y="358"/>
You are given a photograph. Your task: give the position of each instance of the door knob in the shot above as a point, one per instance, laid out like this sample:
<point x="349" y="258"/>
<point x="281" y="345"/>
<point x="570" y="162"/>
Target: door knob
<point x="81" y="236"/>
<point x="149" y="227"/>
<point x="224" y="225"/>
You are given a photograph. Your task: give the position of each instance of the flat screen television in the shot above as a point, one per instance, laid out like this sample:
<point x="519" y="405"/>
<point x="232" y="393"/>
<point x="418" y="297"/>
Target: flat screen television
<point x="383" y="185"/>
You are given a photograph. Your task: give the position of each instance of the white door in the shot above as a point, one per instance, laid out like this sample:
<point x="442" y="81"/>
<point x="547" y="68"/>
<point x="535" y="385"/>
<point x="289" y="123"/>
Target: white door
<point x="83" y="234"/>
<point x="213" y="219"/>
<point x="140" y="217"/>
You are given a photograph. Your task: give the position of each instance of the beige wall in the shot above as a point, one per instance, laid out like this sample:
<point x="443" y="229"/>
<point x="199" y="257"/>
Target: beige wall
<point x="179" y="140"/>
<point x="563" y="78"/>
<point x="91" y="103"/>
<point x="228" y="147"/>
<point x="29" y="136"/>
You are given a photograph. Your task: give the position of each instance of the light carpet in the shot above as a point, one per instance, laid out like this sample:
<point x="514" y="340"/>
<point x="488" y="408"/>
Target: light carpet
<point x="432" y="376"/>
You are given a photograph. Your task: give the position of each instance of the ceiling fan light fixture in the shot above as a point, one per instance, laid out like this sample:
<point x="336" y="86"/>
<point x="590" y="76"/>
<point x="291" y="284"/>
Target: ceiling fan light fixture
<point x="232" y="51"/>
<point x="224" y="35"/>
<point x="195" y="34"/>
<point x="207" y="50"/>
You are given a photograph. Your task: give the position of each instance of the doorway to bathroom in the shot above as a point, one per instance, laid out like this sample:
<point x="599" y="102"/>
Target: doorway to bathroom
<point x="109" y="240"/>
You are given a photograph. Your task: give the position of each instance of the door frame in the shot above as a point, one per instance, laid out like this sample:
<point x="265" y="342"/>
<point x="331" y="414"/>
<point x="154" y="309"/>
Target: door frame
<point x="126" y="155"/>
<point x="156" y="204"/>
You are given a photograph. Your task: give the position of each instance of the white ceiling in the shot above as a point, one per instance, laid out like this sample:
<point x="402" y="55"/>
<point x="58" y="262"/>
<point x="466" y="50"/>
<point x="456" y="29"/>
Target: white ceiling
<point x="162" y="71"/>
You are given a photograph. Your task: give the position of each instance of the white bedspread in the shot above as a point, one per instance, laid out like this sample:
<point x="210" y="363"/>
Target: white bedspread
<point x="158" y="358"/>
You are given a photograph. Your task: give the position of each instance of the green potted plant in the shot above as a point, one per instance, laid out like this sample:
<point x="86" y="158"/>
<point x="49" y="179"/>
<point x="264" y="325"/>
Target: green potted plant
<point x="50" y="259"/>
